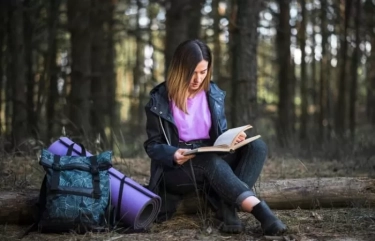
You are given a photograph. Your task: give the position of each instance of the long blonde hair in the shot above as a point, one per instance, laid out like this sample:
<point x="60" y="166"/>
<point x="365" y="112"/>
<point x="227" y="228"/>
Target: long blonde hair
<point x="184" y="61"/>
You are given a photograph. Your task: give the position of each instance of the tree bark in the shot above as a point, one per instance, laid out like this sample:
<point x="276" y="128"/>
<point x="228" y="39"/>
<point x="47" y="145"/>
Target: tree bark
<point x="99" y="16"/>
<point x="180" y="25"/>
<point x="323" y="83"/>
<point x="354" y="79"/>
<point x="3" y="32"/>
<point x="111" y="75"/>
<point x="341" y="109"/>
<point x="17" y="74"/>
<point x="28" y="30"/>
<point x="285" y="111"/>
<point x="51" y="66"/>
<point x="309" y="193"/>
<point x="79" y="104"/>
<point x="304" y="79"/>
<point x="17" y="207"/>
<point x="244" y="71"/>
<point x="217" y="48"/>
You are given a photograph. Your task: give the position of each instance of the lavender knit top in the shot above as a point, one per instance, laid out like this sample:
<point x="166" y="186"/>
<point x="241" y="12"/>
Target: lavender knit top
<point x="195" y="125"/>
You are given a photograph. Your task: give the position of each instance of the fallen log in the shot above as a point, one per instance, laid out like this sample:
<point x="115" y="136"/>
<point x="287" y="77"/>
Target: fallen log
<point x="307" y="193"/>
<point x="18" y="206"/>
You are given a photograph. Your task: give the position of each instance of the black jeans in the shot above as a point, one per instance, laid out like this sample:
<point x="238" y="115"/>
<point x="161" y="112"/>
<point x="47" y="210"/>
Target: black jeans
<point x="225" y="174"/>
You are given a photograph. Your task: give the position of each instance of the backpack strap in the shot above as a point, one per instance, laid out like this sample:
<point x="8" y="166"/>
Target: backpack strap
<point x="55" y="179"/>
<point x="71" y="149"/>
<point x="94" y="169"/>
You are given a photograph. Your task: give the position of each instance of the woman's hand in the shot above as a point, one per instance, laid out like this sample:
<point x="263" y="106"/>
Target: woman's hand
<point x="241" y="137"/>
<point x="179" y="157"/>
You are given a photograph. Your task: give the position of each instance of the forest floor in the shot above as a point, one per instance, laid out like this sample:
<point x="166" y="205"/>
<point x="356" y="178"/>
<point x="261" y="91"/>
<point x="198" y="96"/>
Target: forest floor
<point x="350" y="224"/>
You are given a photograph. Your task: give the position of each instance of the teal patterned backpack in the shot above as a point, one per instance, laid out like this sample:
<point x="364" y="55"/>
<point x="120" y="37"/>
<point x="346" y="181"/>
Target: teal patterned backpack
<point x="75" y="194"/>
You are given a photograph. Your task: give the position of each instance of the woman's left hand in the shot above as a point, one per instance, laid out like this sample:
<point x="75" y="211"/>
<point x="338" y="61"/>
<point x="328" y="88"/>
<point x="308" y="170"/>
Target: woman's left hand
<point x="241" y="137"/>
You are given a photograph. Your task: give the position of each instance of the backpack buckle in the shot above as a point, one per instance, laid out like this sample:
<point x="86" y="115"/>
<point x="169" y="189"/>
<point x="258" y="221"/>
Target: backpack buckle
<point x="96" y="194"/>
<point x="56" y="167"/>
<point x="94" y="169"/>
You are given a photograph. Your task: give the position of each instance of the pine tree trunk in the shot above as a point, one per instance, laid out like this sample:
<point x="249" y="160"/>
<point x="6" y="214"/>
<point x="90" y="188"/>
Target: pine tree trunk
<point x="182" y="22"/>
<point x="51" y="67"/>
<point x="354" y="79"/>
<point x="28" y="30"/>
<point x="217" y="48"/>
<point x="285" y="112"/>
<point x="341" y="109"/>
<point x="244" y="57"/>
<point x="17" y="64"/>
<point x="323" y="85"/>
<point x="304" y="79"/>
<point x="3" y="24"/>
<point x="111" y="75"/>
<point x="99" y="15"/>
<point x="371" y="85"/>
<point x="80" y="91"/>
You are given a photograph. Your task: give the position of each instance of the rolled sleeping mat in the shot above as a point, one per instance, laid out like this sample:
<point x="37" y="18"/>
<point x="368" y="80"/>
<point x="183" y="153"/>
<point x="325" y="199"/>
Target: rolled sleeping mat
<point x="136" y="206"/>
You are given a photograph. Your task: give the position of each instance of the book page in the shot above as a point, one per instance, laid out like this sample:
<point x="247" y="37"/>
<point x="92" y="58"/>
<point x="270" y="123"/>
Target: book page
<point x="228" y="137"/>
<point x="221" y="148"/>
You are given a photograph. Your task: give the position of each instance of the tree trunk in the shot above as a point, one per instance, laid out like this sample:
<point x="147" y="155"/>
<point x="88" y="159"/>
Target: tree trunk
<point x="371" y="85"/>
<point x="323" y="84"/>
<point x="217" y="48"/>
<point x="17" y="207"/>
<point x="314" y="80"/>
<point x="28" y="30"/>
<point x="285" y="112"/>
<point x="369" y="8"/>
<point x="51" y="66"/>
<point x="354" y="79"/>
<point x="3" y="24"/>
<point x="244" y="57"/>
<point x="99" y="15"/>
<point x="303" y="78"/>
<point x="17" y="78"/>
<point x="194" y="27"/>
<point x="79" y="104"/>
<point x="308" y="193"/>
<point x="180" y="25"/>
<point x="341" y="109"/>
<point x="136" y="106"/>
<point x="111" y="75"/>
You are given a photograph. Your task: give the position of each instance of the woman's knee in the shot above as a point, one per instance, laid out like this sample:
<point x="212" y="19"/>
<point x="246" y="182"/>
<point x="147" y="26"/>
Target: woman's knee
<point x="259" y="146"/>
<point x="213" y="164"/>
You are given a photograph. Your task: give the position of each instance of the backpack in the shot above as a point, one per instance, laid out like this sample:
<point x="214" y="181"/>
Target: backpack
<point x="75" y="193"/>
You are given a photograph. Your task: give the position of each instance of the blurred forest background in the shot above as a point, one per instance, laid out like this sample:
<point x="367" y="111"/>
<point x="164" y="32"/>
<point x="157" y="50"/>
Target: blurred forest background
<point x="302" y="72"/>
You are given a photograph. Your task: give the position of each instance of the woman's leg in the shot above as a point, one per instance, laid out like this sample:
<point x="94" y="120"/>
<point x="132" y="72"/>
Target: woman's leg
<point x="248" y="161"/>
<point x="220" y="176"/>
<point x="212" y="169"/>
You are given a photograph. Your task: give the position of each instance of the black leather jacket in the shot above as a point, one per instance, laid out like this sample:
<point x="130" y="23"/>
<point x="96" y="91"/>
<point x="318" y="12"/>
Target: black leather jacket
<point x="161" y="145"/>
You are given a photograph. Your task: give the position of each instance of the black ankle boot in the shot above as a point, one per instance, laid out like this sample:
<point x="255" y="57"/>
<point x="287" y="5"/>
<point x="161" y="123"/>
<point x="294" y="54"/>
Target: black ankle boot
<point x="271" y="225"/>
<point x="228" y="219"/>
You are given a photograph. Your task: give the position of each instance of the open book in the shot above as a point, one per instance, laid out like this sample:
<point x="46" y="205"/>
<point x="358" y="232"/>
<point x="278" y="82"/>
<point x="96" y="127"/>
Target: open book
<point x="226" y="142"/>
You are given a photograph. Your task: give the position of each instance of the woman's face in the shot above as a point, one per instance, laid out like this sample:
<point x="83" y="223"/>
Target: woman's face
<point x="199" y="75"/>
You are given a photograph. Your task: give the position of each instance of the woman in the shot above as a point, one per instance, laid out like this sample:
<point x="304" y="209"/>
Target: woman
<point x="186" y="112"/>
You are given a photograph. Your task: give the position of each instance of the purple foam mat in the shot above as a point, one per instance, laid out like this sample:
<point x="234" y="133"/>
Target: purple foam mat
<point x="136" y="206"/>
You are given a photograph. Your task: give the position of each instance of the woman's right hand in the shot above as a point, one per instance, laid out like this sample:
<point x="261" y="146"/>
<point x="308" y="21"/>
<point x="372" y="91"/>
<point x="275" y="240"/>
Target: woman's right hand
<point x="179" y="157"/>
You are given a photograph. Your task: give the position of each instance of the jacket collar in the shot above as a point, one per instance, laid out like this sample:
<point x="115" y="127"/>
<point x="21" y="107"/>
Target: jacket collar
<point x="160" y="103"/>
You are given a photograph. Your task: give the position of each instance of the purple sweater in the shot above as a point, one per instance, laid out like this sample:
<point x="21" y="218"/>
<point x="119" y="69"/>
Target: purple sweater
<point x="195" y="125"/>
